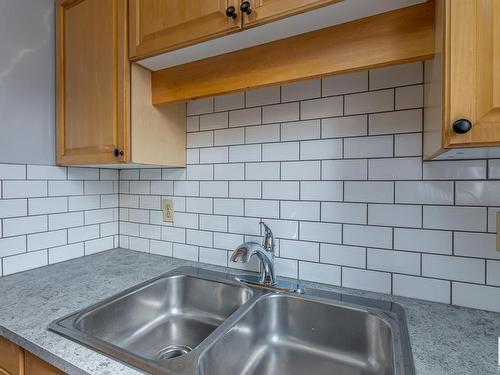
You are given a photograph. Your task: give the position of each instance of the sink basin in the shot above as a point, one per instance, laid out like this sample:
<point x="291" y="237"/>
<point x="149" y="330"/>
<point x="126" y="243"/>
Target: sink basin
<point x="165" y="318"/>
<point x="283" y="334"/>
<point x="192" y="321"/>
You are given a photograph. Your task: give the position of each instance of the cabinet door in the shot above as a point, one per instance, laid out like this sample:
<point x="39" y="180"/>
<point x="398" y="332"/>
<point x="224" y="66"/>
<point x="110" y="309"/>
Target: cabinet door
<point x="35" y="366"/>
<point x="263" y="11"/>
<point x="162" y="25"/>
<point x="93" y="75"/>
<point x="472" y="71"/>
<point x="11" y="358"/>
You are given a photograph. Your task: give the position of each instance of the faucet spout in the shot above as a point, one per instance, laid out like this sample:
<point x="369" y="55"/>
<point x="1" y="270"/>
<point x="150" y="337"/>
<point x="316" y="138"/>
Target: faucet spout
<point x="264" y="252"/>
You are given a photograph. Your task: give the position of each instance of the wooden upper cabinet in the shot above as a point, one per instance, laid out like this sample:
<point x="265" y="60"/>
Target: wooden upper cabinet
<point x="463" y="81"/>
<point x="161" y="25"/>
<point x="93" y="76"/>
<point x="263" y="11"/>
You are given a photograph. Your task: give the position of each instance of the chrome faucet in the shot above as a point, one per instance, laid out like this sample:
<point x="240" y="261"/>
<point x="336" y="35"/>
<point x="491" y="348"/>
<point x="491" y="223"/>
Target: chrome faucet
<point x="264" y="251"/>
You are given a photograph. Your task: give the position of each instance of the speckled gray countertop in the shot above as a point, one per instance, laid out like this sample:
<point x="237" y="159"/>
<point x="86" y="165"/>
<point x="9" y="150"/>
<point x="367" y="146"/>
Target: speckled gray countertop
<point x="445" y="339"/>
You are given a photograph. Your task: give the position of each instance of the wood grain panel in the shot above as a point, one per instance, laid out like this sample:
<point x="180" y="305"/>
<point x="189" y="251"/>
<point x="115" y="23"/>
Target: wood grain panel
<point x="264" y="11"/>
<point x="390" y="38"/>
<point x="35" y="366"/>
<point x="92" y="81"/>
<point x="158" y="25"/>
<point x="11" y="358"/>
<point x="472" y="71"/>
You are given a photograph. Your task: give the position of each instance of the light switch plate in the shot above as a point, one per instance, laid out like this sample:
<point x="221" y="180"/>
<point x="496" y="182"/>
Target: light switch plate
<point x="498" y="231"/>
<point x="168" y="210"/>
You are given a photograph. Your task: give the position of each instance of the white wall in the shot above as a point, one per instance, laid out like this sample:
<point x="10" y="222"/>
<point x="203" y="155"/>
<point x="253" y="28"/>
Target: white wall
<point x="27" y="122"/>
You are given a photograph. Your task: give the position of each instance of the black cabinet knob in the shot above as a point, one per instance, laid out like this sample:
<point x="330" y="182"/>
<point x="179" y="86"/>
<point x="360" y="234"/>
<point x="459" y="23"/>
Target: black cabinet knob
<point x="462" y="126"/>
<point x="246" y="7"/>
<point x="117" y="152"/>
<point x="231" y="12"/>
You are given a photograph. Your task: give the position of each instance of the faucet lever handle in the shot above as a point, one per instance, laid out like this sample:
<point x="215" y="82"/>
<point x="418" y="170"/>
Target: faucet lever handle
<point x="268" y="240"/>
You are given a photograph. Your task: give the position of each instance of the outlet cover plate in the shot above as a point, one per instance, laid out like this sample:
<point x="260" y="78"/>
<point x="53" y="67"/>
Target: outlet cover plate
<point x="168" y="210"/>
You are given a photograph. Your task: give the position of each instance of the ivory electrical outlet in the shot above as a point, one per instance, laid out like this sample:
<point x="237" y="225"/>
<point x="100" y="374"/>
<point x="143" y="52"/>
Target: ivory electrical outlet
<point x="168" y="210"/>
<point x="498" y="231"/>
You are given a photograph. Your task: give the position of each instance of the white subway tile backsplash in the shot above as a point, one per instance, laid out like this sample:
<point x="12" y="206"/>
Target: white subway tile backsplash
<point x="352" y="213"/>
<point x="455" y="218"/>
<point x="423" y="240"/>
<point x="245" y="189"/>
<point x="12" y="172"/>
<point x="229" y="171"/>
<point x="369" y="102"/>
<point x="398" y="75"/>
<point x="262" y="171"/>
<point x="351" y="256"/>
<point x="365" y="279"/>
<point x="369" y="191"/>
<point x="368" y="147"/>
<point x="361" y="235"/>
<point x="300" y="250"/>
<point x="321" y="108"/>
<point x="301" y="170"/>
<point x="245" y="117"/>
<point x="321" y="190"/>
<point x="345" y="83"/>
<point x="67" y="252"/>
<point x="46" y="172"/>
<point x="301" y="90"/>
<point x="262" y="208"/>
<point x="453" y="268"/>
<point x="280" y="190"/>
<point x="477" y="245"/>
<point x="294" y="210"/>
<point x="263" y="96"/>
<point x="13" y="208"/>
<point x="23" y="262"/>
<point x="199" y="106"/>
<point x="455" y="170"/>
<point x="395" y="169"/>
<point x="262" y="133"/>
<point x="322" y="149"/>
<point x="330" y="211"/>
<point x="280" y="151"/>
<point x="228" y="207"/>
<point x="12" y="245"/>
<point x="25" y="189"/>
<point x="408" y="144"/>
<point x="350" y="126"/>
<point x="393" y="261"/>
<point x="300" y="130"/>
<point x="410" y="97"/>
<point x="247" y="153"/>
<point x="395" y="215"/>
<point x="24" y="225"/>
<point x="321" y="232"/>
<point x="230" y="101"/>
<point x="475" y="296"/>
<point x="214" y="121"/>
<point x="201" y="139"/>
<point x="422" y="288"/>
<point x="396" y="122"/>
<point x="344" y="170"/>
<point x="424" y="192"/>
<point x="493" y="272"/>
<point x="320" y="273"/>
<point x="67" y="220"/>
<point x="280" y="113"/>
<point x="477" y="193"/>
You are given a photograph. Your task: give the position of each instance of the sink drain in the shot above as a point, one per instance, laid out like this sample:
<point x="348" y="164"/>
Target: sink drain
<point x="172" y="351"/>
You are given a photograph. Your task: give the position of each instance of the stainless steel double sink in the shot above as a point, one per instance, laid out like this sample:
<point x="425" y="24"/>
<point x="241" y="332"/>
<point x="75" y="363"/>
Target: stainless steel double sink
<point x="194" y="321"/>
